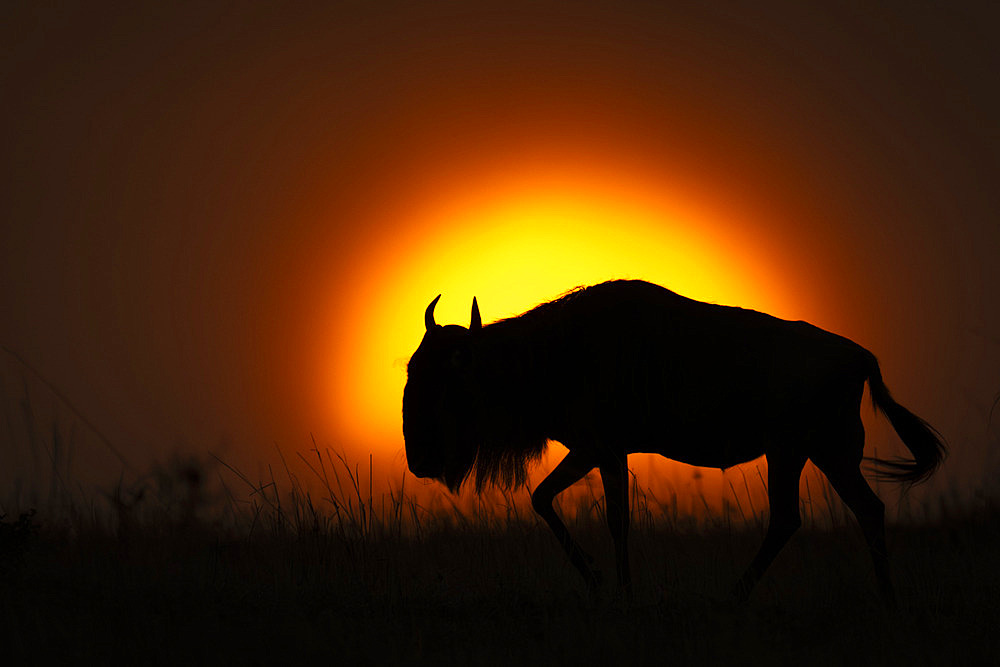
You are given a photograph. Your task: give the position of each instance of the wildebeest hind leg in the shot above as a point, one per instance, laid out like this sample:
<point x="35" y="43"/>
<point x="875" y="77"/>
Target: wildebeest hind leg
<point x="869" y="510"/>
<point x="569" y="471"/>
<point x="783" y="471"/>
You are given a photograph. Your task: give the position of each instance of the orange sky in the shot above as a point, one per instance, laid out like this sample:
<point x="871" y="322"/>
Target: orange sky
<point x="220" y="229"/>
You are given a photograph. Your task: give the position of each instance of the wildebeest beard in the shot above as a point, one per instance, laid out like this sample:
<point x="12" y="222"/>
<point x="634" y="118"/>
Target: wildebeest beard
<point x="501" y="453"/>
<point x="507" y="409"/>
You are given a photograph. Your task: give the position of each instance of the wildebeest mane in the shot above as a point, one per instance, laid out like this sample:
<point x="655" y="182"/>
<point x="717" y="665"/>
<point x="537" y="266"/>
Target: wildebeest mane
<point x="508" y="355"/>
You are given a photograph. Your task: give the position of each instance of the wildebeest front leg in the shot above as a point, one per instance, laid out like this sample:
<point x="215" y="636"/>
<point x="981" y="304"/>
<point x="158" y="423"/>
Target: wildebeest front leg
<point x="614" y="476"/>
<point x="569" y="471"/>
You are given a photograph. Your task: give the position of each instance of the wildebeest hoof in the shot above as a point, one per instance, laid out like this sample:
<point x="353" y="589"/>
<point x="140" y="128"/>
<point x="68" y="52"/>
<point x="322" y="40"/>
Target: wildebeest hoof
<point x="740" y="592"/>
<point x="595" y="581"/>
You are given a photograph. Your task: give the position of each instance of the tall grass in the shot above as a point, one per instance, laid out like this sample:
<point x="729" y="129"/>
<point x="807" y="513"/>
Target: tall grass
<point x="199" y="562"/>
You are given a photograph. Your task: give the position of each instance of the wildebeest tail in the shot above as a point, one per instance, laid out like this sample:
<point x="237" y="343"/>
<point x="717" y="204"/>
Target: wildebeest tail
<point x="920" y="438"/>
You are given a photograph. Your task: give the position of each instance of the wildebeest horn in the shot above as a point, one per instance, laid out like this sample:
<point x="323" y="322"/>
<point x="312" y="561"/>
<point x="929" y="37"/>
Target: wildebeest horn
<point x="477" y="321"/>
<point x="429" y="314"/>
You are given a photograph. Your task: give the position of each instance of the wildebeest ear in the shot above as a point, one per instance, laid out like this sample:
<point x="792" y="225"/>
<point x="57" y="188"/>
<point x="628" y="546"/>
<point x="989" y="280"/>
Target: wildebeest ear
<point x="477" y="321"/>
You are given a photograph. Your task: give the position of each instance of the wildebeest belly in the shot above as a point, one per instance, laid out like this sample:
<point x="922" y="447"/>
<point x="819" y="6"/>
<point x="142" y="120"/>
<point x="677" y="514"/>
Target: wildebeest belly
<point x="705" y="445"/>
<point x="720" y="433"/>
<point x="715" y="414"/>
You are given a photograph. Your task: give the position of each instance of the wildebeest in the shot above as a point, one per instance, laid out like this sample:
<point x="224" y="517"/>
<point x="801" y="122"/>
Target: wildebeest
<point x="628" y="366"/>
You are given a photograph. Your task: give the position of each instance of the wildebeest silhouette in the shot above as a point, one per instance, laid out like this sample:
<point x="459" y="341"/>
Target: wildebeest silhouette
<point x="628" y="366"/>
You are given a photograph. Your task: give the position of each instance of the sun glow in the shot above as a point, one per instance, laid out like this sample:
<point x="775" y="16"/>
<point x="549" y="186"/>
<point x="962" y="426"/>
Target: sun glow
<point x="514" y="244"/>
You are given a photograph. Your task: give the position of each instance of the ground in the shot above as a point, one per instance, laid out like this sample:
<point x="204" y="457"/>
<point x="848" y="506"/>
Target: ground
<point x="487" y="590"/>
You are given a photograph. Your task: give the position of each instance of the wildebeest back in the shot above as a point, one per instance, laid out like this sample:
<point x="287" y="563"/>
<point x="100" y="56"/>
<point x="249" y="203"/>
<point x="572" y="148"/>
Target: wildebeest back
<point x="633" y="362"/>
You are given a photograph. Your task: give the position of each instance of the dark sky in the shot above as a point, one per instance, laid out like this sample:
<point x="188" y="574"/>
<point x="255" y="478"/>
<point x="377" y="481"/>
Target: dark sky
<point x="184" y="186"/>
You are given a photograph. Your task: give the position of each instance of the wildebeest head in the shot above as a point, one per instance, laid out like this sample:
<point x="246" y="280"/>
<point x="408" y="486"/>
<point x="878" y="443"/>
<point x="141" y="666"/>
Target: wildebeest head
<point x="440" y="401"/>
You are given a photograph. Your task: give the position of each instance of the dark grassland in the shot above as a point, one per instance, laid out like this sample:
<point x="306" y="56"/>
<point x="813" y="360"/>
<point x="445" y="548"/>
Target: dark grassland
<point x="179" y="570"/>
